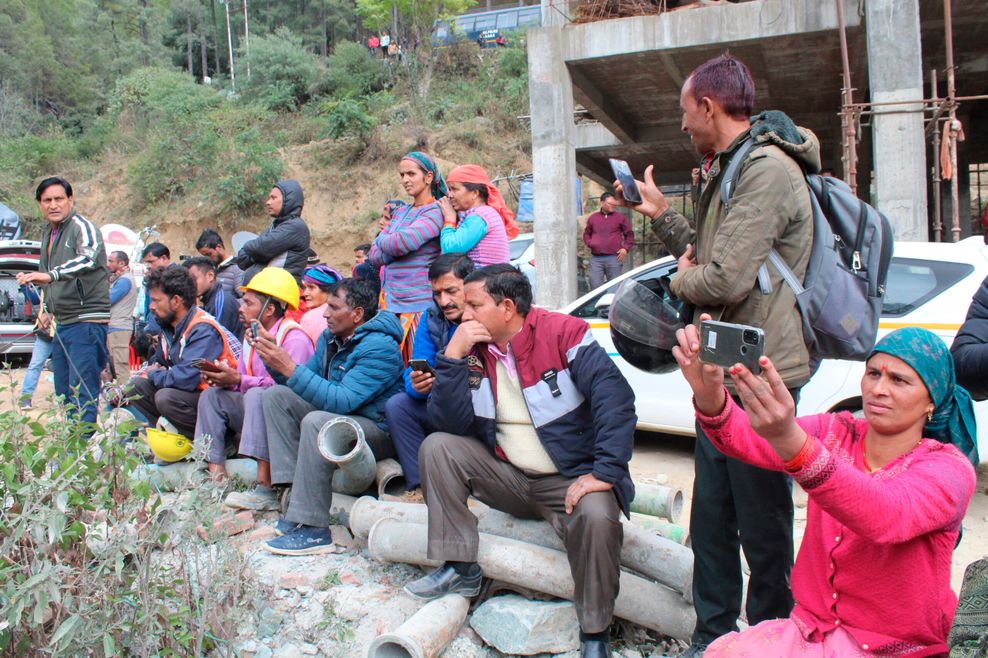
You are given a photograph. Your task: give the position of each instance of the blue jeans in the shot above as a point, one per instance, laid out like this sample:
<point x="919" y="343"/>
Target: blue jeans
<point x="39" y="355"/>
<point x="408" y="421"/>
<point x="78" y="358"/>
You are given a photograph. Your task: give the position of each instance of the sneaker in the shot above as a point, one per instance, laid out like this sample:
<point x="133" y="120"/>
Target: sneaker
<point x="307" y="540"/>
<point x="258" y="499"/>
<point x="286" y="527"/>
<point x="25" y="404"/>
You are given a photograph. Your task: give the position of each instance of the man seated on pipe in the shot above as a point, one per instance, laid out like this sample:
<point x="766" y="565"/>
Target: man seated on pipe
<point x="356" y="367"/>
<point x="408" y="415"/>
<point x="537" y="421"/>
<point x="231" y="407"/>
<point x="170" y="384"/>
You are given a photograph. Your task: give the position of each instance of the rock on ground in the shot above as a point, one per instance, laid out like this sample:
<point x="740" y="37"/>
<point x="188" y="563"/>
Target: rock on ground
<point x="514" y="625"/>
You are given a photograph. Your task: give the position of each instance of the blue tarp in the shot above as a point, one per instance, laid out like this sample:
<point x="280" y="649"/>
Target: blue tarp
<point x="526" y="200"/>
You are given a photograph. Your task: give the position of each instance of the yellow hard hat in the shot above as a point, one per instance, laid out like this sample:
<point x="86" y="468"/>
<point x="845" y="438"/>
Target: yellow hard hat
<point x="169" y="446"/>
<point x="275" y="282"/>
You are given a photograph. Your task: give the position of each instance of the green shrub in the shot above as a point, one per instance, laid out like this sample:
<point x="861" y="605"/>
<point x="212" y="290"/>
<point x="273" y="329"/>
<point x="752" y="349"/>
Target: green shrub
<point x="161" y="96"/>
<point x="282" y="71"/>
<point x="175" y="156"/>
<point x="247" y="174"/>
<point x="94" y="561"/>
<point x="347" y="118"/>
<point x="352" y="71"/>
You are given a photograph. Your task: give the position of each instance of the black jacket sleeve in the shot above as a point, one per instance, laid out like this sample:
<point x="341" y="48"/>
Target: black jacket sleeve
<point x="450" y="403"/>
<point x="290" y="235"/>
<point x="970" y="348"/>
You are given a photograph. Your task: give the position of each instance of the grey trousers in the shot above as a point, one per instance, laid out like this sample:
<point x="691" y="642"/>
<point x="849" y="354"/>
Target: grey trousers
<point x="178" y="406"/>
<point x="293" y="425"/>
<point x="456" y="467"/>
<point x="224" y="412"/>
<point x="601" y="266"/>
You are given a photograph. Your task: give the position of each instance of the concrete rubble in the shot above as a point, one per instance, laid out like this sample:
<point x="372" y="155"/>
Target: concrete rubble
<point x="514" y="625"/>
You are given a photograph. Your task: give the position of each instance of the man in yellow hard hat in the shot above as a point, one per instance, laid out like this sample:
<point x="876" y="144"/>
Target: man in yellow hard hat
<point x="232" y="404"/>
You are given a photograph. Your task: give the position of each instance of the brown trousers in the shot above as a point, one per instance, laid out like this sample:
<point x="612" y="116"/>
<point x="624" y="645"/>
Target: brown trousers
<point x="456" y="467"/>
<point x="118" y="343"/>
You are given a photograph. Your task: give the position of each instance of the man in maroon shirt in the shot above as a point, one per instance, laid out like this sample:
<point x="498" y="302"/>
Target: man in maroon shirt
<point x="609" y="238"/>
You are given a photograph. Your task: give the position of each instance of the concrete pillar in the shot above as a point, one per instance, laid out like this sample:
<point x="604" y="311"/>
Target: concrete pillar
<point x="895" y="74"/>
<point x="554" y="168"/>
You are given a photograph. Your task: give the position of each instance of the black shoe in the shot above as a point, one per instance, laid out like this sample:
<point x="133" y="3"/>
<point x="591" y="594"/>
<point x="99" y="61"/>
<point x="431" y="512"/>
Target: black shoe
<point x="595" y="649"/>
<point x="446" y="580"/>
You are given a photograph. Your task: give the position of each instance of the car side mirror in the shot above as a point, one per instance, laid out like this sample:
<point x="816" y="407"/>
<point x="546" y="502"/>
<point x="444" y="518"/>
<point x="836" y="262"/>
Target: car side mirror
<point x="603" y="305"/>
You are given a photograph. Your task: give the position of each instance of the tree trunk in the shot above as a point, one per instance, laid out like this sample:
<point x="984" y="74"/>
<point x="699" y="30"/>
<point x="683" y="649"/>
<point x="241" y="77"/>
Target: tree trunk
<point x="203" y="59"/>
<point x="322" y="21"/>
<point x="188" y="44"/>
<point x="217" y="69"/>
<point x="145" y="35"/>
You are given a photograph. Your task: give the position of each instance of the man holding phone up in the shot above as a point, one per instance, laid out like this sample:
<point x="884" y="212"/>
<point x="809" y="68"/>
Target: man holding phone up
<point x="232" y="404"/>
<point x="407" y="413"/>
<point x="719" y="258"/>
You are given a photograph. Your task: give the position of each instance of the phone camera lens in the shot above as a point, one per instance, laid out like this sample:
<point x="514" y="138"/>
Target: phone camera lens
<point x="744" y="350"/>
<point x="750" y="337"/>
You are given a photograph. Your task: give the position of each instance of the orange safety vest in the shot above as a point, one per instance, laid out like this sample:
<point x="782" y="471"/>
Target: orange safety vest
<point x="199" y="317"/>
<point x="279" y="338"/>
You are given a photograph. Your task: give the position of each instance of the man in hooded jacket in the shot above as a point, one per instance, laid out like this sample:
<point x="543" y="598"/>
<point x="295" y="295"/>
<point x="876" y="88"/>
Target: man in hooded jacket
<point x="285" y="243"/>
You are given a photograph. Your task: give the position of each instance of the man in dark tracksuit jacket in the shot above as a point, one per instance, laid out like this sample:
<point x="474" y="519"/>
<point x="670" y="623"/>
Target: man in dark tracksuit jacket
<point x="285" y="243"/>
<point x="73" y="267"/>
<point x="537" y="421"/>
<point x="970" y="347"/>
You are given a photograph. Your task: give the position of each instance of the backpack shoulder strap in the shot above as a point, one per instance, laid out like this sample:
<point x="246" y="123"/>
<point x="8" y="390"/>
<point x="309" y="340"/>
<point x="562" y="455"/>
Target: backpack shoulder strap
<point x="729" y="179"/>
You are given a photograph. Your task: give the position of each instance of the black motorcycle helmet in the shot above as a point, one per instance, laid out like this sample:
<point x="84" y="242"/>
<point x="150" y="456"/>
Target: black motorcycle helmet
<point x="644" y="324"/>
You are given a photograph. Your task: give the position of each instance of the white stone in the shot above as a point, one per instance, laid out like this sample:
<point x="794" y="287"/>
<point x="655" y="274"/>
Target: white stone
<point x="514" y="625"/>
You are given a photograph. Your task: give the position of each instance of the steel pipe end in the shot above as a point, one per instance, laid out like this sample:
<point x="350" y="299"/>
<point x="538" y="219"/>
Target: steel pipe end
<point x="340" y="440"/>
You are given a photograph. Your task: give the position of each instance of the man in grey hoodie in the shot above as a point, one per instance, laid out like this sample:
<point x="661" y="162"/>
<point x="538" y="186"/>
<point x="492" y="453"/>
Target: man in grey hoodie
<point x="285" y="243"/>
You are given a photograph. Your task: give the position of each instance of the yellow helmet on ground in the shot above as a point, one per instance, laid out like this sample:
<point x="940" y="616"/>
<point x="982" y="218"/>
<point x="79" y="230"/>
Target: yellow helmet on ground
<point x="168" y="446"/>
<point x="275" y="282"/>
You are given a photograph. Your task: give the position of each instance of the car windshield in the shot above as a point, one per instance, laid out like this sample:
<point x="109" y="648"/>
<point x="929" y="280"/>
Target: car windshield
<point x="913" y="282"/>
<point x="518" y="246"/>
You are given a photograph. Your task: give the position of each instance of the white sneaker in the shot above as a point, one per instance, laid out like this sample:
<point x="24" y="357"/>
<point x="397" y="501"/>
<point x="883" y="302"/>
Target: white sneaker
<point x="258" y="499"/>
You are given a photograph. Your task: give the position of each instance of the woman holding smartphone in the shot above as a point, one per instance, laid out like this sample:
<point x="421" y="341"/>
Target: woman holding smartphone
<point x="887" y="495"/>
<point x="409" y="244"/>
<point x="476" y="220"/>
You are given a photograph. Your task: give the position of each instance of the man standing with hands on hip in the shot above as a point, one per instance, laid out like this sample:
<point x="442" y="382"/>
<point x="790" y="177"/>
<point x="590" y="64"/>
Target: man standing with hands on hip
<point x="609" y="238"/>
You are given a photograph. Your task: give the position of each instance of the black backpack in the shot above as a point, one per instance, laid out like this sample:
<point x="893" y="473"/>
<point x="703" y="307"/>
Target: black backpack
<point x="840" y="298"/>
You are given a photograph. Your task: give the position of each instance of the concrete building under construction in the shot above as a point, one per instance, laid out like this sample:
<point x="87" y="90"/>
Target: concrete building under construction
<point x="895" y="89"/>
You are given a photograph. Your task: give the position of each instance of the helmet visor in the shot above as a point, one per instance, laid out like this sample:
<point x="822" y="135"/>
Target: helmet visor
<point x="644" y="325"/>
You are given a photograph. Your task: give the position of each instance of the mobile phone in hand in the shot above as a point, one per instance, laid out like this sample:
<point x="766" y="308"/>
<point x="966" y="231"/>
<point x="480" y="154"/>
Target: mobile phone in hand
<point x="253" y="329"/>
<point x="724" y="344"/>
<point x="629" y="188"/>
<point x="206" y="365"/>
<point x="421" y="365"/>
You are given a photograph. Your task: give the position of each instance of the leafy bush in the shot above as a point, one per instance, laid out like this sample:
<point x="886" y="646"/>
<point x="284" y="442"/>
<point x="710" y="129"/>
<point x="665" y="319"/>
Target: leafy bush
<point x="94" y="561"/>
<point x="282" y="71"/>
<point x="352" y="71"/>
<point x="248" y="172"/>
<point x="347" y="118"/>
<point x="161" y="96"/>
<point x="176" y="155"/>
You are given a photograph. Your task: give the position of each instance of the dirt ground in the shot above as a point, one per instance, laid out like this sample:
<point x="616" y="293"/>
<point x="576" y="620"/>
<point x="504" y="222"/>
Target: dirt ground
<point x="658" y="457"/>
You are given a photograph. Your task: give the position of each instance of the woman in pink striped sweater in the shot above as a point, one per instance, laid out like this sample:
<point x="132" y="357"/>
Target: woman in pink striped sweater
<point x="872" y="577"/>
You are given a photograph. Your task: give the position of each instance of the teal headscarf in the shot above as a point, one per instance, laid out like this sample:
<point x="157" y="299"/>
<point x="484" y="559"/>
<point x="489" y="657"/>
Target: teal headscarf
<point x="953" y="416"/>
<point x="428" y="165"/>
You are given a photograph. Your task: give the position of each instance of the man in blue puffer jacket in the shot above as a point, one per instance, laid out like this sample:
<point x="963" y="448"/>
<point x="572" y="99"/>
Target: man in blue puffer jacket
<point x="357" y="366"/>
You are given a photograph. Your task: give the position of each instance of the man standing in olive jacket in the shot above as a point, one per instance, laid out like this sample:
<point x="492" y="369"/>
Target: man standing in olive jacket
<point x="73" y="267"/>
<point x="736" y="505"/>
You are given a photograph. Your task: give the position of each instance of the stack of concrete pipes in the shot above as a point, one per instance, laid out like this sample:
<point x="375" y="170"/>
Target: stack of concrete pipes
<point x="655" y="576"/>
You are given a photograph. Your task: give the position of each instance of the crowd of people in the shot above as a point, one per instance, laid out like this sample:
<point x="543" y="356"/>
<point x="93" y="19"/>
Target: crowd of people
<point x="433" y="348"/>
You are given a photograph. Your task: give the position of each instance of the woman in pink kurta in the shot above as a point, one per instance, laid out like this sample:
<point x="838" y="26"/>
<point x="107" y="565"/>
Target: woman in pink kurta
<point x="872" y="577"/>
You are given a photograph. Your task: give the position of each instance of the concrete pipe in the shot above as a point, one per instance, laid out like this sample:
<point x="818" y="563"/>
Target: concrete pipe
<point x="640" y="601"/>
<point x="426" y="633"/>
<point x="390" y="479"/>
<point x="658" y="500"/>
<point x="341" y="442"/>
<point x="642" y="551"/>
<point x="172" y="477"/>
<point x="670" y="531"/>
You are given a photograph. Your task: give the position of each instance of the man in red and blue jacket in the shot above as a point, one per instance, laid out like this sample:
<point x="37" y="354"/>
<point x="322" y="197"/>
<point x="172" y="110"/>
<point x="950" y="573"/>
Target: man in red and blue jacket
<point x="535" y="420"/>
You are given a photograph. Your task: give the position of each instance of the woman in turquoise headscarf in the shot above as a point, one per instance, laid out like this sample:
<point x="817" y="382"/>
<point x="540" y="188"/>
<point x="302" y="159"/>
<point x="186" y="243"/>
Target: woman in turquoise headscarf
<point x="409" y="244"/>
<point x="887" y="495"/>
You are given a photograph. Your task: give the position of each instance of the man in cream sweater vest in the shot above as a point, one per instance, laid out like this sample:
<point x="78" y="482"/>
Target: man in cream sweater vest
<point x="537" y="421"/>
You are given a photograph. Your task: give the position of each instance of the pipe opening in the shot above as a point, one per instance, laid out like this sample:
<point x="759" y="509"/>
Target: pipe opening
<point x="676" y="508"/>
<point x="340" y="440"/>
<point x="394" y="486"/>
<point x="391" y="649"/>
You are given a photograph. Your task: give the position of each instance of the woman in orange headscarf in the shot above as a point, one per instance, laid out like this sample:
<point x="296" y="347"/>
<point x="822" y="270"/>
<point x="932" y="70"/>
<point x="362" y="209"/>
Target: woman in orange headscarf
<point x="476" y="220"/>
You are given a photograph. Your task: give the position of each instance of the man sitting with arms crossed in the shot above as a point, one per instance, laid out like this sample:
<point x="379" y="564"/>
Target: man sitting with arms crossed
<point x="170" y="385"/>
<point x="356" y="368"/>
<point x="232" y="404"/>
<point x="210" y="245"/>
<point x="408" y="415"/>
<point x="567" y="464"/>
